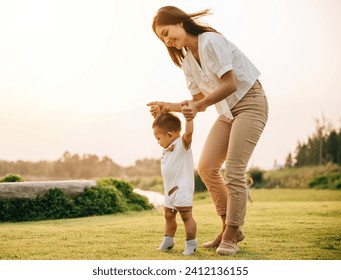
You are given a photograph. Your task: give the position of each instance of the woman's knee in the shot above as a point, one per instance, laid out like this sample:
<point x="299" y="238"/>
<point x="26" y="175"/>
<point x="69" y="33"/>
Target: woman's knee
<point x="207" y="171"/>
<point x="201" y="172"/>
<point x="236" y="175"/>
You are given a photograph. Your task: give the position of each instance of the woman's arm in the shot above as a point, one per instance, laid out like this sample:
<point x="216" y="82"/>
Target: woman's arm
<point x="227" y="87"/>
<point x="164" y="107"/>
<point x="169" y="106"/>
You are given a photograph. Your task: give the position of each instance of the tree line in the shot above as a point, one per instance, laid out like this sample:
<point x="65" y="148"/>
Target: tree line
<point x="74" y="166"/>
<point x="322" y="147"/>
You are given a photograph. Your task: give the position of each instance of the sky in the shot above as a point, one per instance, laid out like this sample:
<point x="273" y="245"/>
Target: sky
<point x="76" y="75"/>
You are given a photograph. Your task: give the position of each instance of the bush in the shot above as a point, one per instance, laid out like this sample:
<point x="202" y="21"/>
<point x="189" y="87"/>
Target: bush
<point x="302" y="177"/>
<point x="133" y="200"/>
<point x="17" y="210"/>
<point x="55" y="204"/>
<point x="257" y="177"/>
<point x="330" y="181"/>
<point x="99" y="201"/>
<point x="11" y="178"/>
<point x="199" y="184"/>
<point x="107" y="197"/>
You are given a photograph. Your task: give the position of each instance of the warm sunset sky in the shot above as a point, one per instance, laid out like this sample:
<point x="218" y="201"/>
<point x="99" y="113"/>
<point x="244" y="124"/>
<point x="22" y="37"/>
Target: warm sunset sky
<point x="75" y="75"/>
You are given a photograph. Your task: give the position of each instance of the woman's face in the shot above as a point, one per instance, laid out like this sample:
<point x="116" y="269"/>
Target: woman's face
<point x="173" y="35"/>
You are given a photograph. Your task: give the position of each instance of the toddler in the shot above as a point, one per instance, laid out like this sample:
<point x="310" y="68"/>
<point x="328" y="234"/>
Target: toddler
<point x="178" y="176"/>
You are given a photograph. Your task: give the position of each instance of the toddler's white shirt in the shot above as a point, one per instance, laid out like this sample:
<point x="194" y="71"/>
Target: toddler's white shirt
<point x="218" y="56"/>
<point x="177" y="171"/>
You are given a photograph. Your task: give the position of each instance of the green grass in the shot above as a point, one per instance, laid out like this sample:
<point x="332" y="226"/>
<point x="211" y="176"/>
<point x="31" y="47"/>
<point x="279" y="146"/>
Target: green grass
<point x="281" y="224"/>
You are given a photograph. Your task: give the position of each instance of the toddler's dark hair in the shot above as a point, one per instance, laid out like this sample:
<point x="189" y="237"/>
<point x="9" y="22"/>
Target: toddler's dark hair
<point x="167" y="122"/>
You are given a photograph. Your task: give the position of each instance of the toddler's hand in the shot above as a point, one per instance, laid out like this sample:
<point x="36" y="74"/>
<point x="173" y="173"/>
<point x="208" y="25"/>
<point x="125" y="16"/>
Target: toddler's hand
<point x="156" y="110"/>
<point x="188" y="109"/>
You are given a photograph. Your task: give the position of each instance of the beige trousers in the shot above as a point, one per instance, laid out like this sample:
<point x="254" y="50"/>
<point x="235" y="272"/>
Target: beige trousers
<point x="233" y="141"/>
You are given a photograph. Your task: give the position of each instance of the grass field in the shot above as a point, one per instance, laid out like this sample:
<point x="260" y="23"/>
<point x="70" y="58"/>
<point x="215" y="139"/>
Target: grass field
<point x="298" y="224"/>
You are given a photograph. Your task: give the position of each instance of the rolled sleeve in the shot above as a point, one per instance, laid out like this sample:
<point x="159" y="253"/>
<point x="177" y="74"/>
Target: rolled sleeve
<point x="220" y="56"/>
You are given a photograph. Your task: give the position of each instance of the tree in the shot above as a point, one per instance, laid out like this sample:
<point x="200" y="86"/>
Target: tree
<point x="289" y="161"/>
<point x="322" y="147"/>
<point x="332" y="147"/>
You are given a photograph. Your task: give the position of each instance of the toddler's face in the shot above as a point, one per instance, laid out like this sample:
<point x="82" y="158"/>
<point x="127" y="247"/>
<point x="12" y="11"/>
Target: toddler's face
<point x="162" y="137"/>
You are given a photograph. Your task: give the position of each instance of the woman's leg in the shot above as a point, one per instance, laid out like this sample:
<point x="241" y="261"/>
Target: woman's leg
<point x="212" y="157"/>
<point x="250" y="118"/>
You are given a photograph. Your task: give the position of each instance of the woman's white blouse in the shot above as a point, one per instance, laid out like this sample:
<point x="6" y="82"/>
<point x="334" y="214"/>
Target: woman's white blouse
<point x="218" y="56"/>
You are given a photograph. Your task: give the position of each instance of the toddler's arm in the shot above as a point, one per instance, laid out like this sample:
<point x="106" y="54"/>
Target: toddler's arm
<point x="187" y="137"/>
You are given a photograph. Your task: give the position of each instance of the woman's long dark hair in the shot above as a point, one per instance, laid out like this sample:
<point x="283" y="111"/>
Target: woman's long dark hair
<point x="172" y="15"/>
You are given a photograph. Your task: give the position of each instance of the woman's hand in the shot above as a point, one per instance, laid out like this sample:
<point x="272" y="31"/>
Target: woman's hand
<point x="157" y="107"/>
<point x="189" y="109"/>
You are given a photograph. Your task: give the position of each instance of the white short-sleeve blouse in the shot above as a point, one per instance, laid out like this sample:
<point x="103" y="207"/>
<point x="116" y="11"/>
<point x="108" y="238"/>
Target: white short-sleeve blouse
<point x="218" y="56"/>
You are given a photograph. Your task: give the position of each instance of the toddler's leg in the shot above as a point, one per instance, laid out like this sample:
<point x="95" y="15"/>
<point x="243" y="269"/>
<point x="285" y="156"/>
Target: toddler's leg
<point x="190" y="228"/>
<point x="170" y="229"/>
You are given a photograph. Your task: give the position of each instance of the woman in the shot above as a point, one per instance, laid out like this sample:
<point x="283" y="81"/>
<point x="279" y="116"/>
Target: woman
<point x="217" y="73"/>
